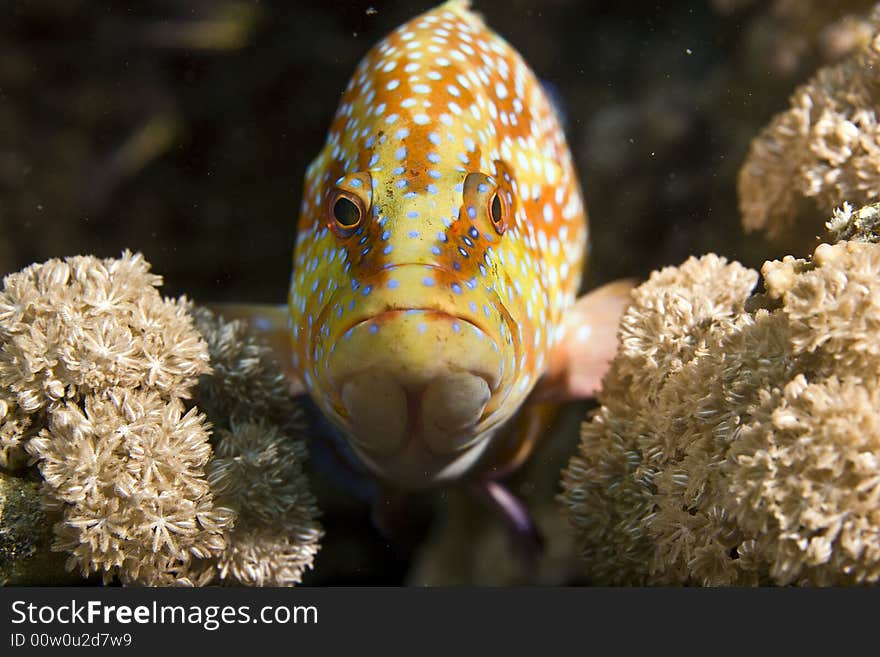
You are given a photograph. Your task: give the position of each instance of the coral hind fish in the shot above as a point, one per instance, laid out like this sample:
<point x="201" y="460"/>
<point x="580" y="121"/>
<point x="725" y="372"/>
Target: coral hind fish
<point x="440" y="245"/>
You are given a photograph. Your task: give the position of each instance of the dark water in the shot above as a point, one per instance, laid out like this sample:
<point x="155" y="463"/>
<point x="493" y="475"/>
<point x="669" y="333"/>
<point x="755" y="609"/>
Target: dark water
<point x="182" y="130"/>
<point x="661" y="101"/>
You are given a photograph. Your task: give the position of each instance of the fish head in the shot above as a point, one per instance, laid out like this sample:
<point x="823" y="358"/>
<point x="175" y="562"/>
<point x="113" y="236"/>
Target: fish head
<point x="414" y="346"/>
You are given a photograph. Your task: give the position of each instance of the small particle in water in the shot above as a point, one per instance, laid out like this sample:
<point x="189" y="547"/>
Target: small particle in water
<point x="370" y="11"/>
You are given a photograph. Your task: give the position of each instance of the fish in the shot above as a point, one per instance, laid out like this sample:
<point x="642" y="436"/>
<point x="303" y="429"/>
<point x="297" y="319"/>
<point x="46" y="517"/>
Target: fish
<point x="441" y="241"/>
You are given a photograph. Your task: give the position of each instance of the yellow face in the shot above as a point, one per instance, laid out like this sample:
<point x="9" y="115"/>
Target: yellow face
<point x="441" y="236"/>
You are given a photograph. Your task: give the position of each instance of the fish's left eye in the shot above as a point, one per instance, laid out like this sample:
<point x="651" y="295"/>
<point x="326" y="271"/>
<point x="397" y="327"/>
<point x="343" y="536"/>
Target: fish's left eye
<point x="499" y="208"/>
<point x="348" y="204"/>
<point x="487" y="204"/>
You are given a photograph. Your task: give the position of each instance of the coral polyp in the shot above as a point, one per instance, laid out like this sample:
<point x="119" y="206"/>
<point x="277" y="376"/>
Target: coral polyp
<point x="97" y="376"/>
<point x="738" y="440"/>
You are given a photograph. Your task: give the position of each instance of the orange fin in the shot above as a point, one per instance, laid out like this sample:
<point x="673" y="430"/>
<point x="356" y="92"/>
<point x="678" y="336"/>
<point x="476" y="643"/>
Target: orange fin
<point x="586" y="345"/>
<point x="272" y="324"/>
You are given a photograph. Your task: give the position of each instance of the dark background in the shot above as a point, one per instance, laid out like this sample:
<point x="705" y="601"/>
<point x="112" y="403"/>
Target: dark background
<point x="182" y="129"/>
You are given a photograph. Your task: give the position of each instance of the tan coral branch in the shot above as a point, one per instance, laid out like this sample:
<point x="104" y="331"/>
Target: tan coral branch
<point x="740" y="445"/>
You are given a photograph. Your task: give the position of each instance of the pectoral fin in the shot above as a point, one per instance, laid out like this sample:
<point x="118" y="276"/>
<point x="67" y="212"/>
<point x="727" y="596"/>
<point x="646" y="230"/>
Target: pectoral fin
<point x="272" y="324"/>
<point x="587" y="344"/>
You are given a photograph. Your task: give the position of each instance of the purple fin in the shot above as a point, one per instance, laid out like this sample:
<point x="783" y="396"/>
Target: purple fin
<point x="514" y="513"/>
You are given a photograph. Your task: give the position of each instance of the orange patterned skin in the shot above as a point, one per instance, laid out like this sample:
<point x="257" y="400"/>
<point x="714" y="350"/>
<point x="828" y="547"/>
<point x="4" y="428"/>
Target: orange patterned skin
<point x="462" y="248"/>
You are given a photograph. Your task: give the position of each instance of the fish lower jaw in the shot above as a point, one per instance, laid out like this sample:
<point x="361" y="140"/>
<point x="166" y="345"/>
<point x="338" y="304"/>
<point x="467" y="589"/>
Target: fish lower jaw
<point x="440" y="416"/>
<point x="420" y="435"/>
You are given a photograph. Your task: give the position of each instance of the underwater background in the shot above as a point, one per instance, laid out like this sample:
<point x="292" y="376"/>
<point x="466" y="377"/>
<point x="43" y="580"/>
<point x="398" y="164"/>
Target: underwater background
<point x="182" y="130"/>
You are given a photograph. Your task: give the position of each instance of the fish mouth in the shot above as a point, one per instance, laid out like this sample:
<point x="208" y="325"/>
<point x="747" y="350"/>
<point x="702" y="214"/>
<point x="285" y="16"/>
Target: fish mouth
<point x="429" y="313"/>
<point x="416" y="335"/>
<point x="497" y="377"/>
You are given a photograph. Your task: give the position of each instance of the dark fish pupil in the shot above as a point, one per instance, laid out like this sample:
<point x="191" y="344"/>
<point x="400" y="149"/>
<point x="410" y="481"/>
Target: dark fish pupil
<point x="496" y="209"/>
<point x="346" y="212"/>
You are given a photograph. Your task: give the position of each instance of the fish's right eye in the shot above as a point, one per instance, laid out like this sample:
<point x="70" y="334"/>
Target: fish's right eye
<point x="348" y="204"/>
